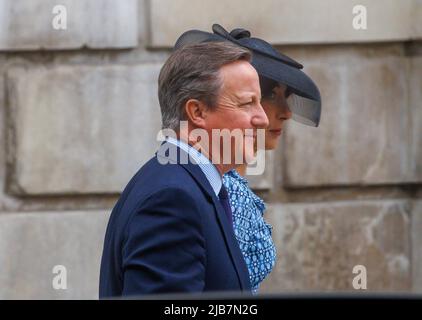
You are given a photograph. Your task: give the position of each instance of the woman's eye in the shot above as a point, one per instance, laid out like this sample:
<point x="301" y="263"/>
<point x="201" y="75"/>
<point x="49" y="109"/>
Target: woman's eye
<point x="270" y="96"/>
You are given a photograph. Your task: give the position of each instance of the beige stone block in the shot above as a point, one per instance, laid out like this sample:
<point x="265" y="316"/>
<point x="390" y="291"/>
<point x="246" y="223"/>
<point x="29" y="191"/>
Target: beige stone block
<point x="416" y="246"/>
<point x="363" y="137"/>
<point x="319" y="244"/>
<point x="416" y="19"/>
<point x="31" y="244"/>
<point x="415" y="115"/>
<point x="142" y="22"/>
<point x="27" y="24"/>
<point x="81" y="129"/>
<point x="287" y="21"/>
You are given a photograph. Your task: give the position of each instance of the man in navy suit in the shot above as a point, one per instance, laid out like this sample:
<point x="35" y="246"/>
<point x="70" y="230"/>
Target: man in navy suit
<point x="171" y="229"/>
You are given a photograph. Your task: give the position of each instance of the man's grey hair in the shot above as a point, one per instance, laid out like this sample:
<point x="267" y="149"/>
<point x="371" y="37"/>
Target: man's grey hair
<point x="192" y="72"/>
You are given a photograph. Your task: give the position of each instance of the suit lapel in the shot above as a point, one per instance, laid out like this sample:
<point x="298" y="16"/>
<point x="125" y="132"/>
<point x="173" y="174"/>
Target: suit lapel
<point x="229" y="237"/>
<point x="232" y="244"/>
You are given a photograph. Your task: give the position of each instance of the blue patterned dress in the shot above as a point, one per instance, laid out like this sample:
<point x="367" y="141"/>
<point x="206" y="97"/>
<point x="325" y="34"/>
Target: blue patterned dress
<point x="252" y="232"/>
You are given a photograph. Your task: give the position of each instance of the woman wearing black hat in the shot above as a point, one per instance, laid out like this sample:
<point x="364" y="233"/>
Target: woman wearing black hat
<point x="252" y="232"/>
<point x="287" y="92"/>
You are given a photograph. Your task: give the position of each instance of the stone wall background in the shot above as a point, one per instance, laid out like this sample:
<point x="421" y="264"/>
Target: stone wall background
<point x="79" y="114"/>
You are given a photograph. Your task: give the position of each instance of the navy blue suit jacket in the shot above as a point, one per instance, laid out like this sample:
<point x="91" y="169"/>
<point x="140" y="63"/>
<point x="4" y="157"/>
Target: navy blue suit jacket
<point x="169" y="233"/>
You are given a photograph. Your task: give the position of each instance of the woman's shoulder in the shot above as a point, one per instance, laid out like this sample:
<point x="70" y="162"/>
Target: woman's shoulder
<point x="233" y="175"/>
<point x="233" y="179"/>
<point x="237" y="186"/>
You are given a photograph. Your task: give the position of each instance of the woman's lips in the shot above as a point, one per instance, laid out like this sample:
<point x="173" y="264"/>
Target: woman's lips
<point x="275" y="131"/>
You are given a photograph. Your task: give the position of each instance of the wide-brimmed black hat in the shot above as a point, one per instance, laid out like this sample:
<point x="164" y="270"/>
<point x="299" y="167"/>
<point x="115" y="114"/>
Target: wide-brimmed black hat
<point x="305" y="100"/>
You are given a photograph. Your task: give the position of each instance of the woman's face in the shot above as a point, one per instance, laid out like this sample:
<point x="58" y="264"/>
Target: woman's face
<point x="277" y="110"/>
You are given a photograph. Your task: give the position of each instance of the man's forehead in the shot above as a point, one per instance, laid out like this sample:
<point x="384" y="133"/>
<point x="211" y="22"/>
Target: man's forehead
<point x="241" y="93"/>
<point x="244" y="94"/>
<point x="241" y="79"/>
<point x="238" y="69"/>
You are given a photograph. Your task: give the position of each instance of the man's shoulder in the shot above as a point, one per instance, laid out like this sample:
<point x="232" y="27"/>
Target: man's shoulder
<point x="156" y="177"/>
<point x="156" y="182"/>
<point x="156" y="173"/>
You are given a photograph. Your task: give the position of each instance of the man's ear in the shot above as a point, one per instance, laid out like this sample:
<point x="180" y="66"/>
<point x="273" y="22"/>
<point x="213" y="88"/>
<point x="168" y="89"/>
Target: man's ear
<point x="196" y="112"/>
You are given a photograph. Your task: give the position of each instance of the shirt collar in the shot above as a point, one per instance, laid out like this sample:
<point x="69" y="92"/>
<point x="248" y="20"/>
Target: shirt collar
<point x="209" y="170"/>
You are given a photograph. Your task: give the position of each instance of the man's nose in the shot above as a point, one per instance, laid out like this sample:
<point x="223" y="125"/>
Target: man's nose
<point x="260" y="119"/>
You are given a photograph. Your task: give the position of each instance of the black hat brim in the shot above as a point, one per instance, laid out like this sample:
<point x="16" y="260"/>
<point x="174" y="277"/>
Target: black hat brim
<point x="285" y="71"/>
